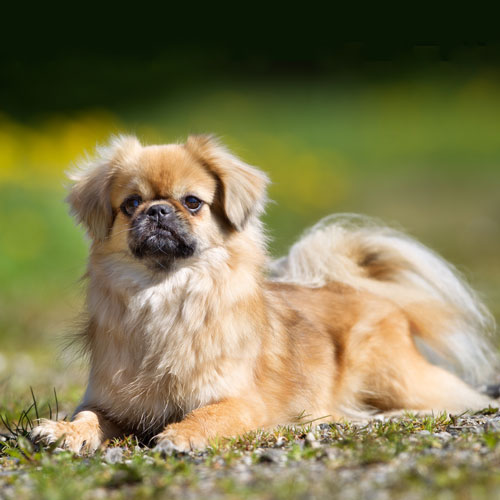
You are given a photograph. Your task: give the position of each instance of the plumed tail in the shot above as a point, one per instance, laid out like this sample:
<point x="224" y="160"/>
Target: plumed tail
<point x="451" y="323"/>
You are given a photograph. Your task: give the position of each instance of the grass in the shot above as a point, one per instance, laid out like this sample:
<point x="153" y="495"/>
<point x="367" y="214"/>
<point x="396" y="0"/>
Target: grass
<point x="429" y="457"/>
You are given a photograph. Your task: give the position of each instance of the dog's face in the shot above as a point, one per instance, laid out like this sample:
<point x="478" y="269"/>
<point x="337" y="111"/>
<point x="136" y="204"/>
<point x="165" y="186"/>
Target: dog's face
<point x="164" y="204"/>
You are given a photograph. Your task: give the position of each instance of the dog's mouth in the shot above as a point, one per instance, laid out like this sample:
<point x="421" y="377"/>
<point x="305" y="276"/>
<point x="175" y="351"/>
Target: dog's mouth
<point x="161" y="242"/>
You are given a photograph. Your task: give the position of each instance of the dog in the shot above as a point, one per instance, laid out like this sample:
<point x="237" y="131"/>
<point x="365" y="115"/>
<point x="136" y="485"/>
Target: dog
<point x="194" y="333"/>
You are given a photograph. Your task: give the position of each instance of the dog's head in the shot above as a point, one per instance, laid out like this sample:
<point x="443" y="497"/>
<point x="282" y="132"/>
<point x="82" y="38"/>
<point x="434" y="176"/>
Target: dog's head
<point x="162" y="204"/>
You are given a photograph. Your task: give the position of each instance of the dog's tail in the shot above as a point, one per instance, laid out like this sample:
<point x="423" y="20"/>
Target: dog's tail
<point x="449" y="320"/>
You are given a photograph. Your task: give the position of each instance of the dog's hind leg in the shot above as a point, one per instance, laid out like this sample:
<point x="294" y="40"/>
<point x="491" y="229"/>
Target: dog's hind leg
<point x="424" y="387"/>
<point x="392" y="374"/>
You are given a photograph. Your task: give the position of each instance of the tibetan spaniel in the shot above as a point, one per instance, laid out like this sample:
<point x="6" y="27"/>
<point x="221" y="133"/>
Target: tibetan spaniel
<point x="193" y="332"/>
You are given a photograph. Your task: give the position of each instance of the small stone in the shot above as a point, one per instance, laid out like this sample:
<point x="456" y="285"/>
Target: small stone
<point x="332" y="453"/>
<point x="311" y="441"/>
<point x="271" y="456"/>
<point x="280" y="442"/>
<point x="96" y="494"/>
<point x="443" y="435"/>
<point x="310" y="438"/>
<point x="492" y="425"/>
<point x="113" y="455"/>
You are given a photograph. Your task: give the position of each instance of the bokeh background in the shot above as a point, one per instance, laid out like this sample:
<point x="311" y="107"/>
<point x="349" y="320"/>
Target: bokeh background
<point x="408" y="132"/>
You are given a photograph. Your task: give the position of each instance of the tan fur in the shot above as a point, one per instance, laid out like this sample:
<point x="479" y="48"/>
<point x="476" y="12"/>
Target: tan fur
<point x="209" y="347"/>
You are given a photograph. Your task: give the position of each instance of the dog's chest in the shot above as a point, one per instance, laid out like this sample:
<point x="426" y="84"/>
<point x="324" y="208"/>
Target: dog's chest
<point x="168" y="353"/>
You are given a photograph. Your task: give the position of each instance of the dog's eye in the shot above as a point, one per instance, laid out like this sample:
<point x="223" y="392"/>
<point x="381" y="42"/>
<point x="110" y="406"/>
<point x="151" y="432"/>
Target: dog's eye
<point x="129" y="206"/>
<point x="192" y="203"/>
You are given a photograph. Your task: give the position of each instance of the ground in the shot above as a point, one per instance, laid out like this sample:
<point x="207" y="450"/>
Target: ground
<point x="408" y="457"/>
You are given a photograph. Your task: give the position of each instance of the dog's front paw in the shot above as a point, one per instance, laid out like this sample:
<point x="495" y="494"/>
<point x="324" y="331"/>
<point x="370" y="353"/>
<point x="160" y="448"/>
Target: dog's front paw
<point x="176" y="440"/>
<point x="73" y="436"/>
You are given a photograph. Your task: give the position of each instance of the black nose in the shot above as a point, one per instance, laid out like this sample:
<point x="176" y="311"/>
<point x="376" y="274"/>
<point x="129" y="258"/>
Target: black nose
<point x="158" y="211"/>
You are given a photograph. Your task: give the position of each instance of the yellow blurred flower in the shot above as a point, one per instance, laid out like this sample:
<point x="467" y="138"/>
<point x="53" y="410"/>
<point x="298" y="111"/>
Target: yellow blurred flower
<point x="42" y="152"/>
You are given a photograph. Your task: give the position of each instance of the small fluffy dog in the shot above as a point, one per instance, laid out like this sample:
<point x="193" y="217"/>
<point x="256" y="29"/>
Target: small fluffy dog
<point x="193" y="333"/>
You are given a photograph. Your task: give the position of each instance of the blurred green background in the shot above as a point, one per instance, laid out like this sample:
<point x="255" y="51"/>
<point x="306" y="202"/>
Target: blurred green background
<point x="406" y="132"/>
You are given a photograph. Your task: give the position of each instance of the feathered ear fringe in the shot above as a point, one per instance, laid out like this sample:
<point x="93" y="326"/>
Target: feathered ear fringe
<point x="89" y="195"/>
<point x="243" y="186"/>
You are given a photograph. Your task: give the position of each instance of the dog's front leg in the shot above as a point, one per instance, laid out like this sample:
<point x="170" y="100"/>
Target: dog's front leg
<point x="226" y="418"/>
<point x="87" y="430"/>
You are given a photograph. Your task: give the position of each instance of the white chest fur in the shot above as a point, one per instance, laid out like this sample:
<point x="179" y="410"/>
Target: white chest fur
<point x="164" y="345"/>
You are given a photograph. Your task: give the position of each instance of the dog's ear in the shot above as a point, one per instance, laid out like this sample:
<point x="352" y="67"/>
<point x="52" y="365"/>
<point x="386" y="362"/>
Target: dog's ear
<point x="89" y="195"/>
<point x="243" y="187"/>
